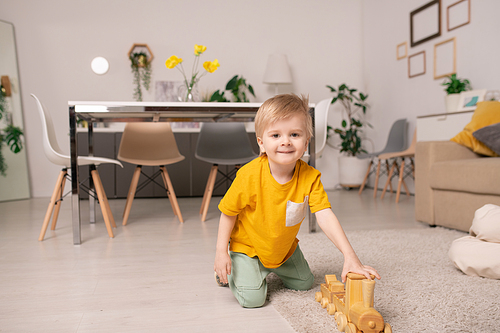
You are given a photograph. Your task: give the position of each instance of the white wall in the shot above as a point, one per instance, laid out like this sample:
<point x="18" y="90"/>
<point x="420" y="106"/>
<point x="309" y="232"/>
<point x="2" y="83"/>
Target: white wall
<point x="386" y="23"/>
<point x="57" y="39"/>
<point x="326" y="41"/>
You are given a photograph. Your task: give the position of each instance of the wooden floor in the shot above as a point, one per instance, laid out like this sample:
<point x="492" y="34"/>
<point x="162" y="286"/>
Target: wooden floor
<point x="156" y="275"/>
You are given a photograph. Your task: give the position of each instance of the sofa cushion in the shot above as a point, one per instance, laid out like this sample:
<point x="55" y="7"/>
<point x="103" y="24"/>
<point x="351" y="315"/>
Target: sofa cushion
<point x="490" y="136"/>
<point x="479" y="175"/>
<point x="487" y="113"/>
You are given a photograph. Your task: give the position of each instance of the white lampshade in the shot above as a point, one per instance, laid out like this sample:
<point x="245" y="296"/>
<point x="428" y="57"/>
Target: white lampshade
<point x="277" y="70"/>
<point x="100" y="65"/>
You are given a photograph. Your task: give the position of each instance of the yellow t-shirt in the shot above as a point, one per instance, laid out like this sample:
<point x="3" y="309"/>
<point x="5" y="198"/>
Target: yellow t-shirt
<point x="269" y="214"/>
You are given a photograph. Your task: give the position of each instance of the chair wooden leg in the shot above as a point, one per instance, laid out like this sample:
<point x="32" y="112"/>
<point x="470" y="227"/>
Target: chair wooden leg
<point x="171" y="193"/>
<point x="389" y="176"/>
<point x="208" y="193"/>
<point x="366" y="177"/>
<point x="131" y="194"/>
<point x="376" y="180"/>
<point x="105" y="204"/>
<point x="101" y="195"/>
<point x="58" y="204"/>
<point x="52" y="203"/>
<point x="400" y="179"/>
<point x="387" y="171"/>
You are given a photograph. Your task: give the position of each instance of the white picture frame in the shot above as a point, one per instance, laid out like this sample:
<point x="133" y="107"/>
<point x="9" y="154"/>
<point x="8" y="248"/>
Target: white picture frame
<point x="469" y="99"/>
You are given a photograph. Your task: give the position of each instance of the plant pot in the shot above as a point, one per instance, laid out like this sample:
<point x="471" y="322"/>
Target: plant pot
<point x="451" y="102"/>
<point x="352" y="171"/>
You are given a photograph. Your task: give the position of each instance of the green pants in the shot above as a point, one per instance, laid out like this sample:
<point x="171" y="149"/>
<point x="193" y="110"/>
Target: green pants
<point x="248" y="277"/>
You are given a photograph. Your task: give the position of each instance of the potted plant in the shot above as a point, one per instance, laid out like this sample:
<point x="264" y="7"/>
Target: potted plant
<point x="238" y="88"/>
<point x="351" y="168"/>
<point x="454" y="86"/>
<point x="141" y="68"/>
<point x="10" y="135"/>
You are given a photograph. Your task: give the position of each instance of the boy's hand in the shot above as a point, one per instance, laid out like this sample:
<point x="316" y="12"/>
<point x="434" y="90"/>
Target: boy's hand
<point x="222" y="265"/>
<point x="354" y="266"/>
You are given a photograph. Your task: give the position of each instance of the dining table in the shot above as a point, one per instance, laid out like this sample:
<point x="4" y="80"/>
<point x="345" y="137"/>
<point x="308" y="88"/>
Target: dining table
<point x="94" y="112"/>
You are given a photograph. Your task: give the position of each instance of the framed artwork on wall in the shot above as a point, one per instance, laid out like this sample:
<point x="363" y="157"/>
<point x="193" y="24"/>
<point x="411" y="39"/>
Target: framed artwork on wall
<point x="458" y="14"/>
<point x="402" y="51"/>
<point x="416" y="64"/>
<point x="425" y="23"/>
<point x="445" y="58"/>
<point x="469" y="99"/>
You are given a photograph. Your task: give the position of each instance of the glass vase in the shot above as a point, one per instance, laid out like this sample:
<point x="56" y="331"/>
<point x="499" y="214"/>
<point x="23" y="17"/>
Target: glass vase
<point x="188" y="93"/>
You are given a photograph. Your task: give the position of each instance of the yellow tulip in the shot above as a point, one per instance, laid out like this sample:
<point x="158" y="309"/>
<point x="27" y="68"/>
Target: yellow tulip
<point x="172" y="62"/>
<point x="199" y="49"/>
<point x="211" y="66"/>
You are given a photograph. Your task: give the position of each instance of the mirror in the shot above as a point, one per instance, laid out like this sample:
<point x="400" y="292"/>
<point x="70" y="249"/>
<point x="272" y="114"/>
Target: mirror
<point x="15" y="185"/>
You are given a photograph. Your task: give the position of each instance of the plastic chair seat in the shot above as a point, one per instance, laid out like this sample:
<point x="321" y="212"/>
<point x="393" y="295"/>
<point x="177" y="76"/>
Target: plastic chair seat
<point x="225" y="144"/>
<point x="149" y="144"/>
<point x="55" y="155"/>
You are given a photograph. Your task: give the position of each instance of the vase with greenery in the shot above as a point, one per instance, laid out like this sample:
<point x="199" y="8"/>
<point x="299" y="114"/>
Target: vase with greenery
<point x="238" y="87"/>
<point x="187" y="90"/>
<point x="453" y="87"/>
<point x="353" y="104"/>
<point x="10" y="135"/>
<point x="141" y="68"/>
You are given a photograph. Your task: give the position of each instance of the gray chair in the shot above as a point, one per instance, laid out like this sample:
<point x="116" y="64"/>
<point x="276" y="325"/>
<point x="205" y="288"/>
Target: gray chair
<point x="225" y="144"/>
<point x="396" y="142"/>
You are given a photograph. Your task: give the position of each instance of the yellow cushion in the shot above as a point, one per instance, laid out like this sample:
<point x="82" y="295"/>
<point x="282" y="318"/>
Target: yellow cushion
<point x="487" y="113"/>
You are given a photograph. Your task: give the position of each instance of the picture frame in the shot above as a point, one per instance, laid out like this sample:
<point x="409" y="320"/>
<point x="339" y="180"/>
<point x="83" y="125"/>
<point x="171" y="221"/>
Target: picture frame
<point x="458" y="14"/>
<point x="402" y="51"/>
<point x="469" y="99"/>
<point x="445" y="58"/>
<point x="425" y="23"/>
<point x="416" y="64"/>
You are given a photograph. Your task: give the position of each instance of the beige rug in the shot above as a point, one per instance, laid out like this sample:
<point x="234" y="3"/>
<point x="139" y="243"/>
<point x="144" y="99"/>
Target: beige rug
<point x="420" y="290"/>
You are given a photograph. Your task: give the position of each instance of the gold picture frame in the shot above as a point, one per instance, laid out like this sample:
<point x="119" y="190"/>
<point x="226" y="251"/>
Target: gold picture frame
<point x="445" y="58"/>
<point x="402" y="51"/>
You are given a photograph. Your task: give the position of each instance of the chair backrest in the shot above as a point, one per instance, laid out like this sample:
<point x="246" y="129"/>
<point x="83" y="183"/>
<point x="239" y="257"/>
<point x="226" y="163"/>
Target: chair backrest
<point x="320" y="124"/>
<point x="149" y="144"/>
<point x="50" y="146"/>
<point x="224" y="143"/>
<point x="397" y="137"/>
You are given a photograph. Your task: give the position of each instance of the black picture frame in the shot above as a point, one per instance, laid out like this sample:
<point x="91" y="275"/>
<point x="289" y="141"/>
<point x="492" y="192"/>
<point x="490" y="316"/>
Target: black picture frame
<point x="427" y="9"/>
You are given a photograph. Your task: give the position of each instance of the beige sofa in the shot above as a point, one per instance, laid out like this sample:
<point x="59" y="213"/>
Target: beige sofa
<point x="452" y="182"/>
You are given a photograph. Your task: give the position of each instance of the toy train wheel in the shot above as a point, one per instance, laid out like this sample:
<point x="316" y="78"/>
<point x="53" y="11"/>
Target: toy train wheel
<point x="330" y="308"/>
<point x="324" y="302"/>
<point x="351" y="328"/>
<point x="387" y="328"/>
<point x="341" y="321"/>
<point x="318" y="296"/>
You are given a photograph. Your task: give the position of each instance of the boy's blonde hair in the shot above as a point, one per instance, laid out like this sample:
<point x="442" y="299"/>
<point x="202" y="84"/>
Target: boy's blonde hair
<point x="283" y="107"/>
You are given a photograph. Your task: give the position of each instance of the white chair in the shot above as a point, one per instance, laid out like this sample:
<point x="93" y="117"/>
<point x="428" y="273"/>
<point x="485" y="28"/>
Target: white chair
<point x="151" y="144"/>
<point x="320" y="127"/>
<point x="226" y="144"/>
<point x="55" y="155"/>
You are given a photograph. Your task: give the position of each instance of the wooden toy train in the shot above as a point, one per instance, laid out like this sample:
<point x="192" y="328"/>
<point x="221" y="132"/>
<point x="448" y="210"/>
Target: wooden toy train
<point x="352" y="304"/>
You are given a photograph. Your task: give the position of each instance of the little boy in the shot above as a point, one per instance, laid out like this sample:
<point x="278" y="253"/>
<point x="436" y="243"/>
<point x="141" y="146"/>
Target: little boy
<point x="263" y="209"/>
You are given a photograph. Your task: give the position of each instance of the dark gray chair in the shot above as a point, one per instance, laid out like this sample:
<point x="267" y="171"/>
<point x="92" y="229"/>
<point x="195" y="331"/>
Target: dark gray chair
<point x="396" y="142"/>
<point x="226" y="144"/>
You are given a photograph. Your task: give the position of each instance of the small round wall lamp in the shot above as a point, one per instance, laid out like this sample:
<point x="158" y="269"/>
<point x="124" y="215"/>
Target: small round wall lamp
<point x="100" y="65"/>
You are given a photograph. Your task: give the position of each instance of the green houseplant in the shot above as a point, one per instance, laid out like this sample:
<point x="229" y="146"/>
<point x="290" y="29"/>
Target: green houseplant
<point x="141" y="69"/>
<point x="238" y="87"/>
<point x="10" y="135"/>
<point x="351" y="168"/>
<point x="453" y="87"/>
<point x="353" y="102"/>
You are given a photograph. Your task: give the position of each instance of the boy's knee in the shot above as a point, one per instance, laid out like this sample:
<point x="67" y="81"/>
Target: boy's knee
<point x="251" y="299"/>
<point x="300" y="284"/>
